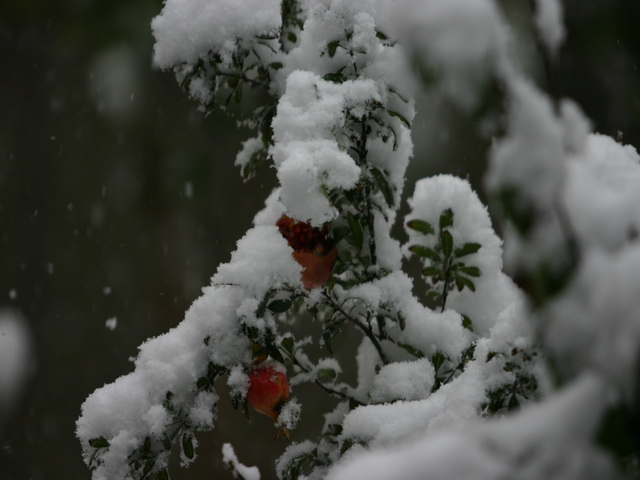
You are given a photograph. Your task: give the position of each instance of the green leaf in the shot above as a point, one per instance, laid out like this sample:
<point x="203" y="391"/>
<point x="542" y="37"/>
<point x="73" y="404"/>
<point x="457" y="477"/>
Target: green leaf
<point x="381" y="35"/>
<point x="233" y="81"/>
<point x="147" y="468"/>
<point x="203" y="382"/>
<point x="433" y="295"/>
<point x="168" y="401"/>
<point x="332" y="47"/>
<point x="513" y="403"/>
<point x="274" y="352"/>
<point x="491" y="355"/>
<point x="411" y="350"/>
<point x="237" y="94"/>
<point x="334" y="429"/>
<point x="337" y="77"/>
<point x="163" y="474"/>
<point x="326" y="374"/>
<point x="346" y="446"/>
<point x="99" y="442"/>
<point x="438" y="359"/>
<point x="467" y="249"/>
<point x="469" y="270"/>
<point x="340" y="267"/>
<point x="446" y="241"/>
<point x="420" y="226"/>
<point x="401" y="117"/>
<point x="462" y="282"/>
<point x="356" y="231"/>
<point x="187" y="446"/>
<point x="516" y="209"/>
<point x="288" y="344"/>
<point x="280" y="306"/>
<point x="446" y="218"/>
<point x="215" y="370"/>
<point x="339" y="233"/>
<point x="330" y="331"/>
<point x="426" y="252"/>
<point x="292" y="37"/>
<point x="276" y="65"/>
<point x="383" y="185"/>
<point x="326" y="339"/>
<point x="432" y="272"/>
<point x="467" y="323"/>
<point x="401" y="97"/>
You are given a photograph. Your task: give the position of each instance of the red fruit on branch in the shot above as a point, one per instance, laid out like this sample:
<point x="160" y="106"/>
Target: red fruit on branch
<point x="268" y="390"/>
<point x="313" y="249"/>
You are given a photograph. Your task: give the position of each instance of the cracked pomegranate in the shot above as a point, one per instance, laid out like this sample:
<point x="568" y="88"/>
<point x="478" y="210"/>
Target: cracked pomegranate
<point x="268" y="390"/>
<point x="313" y="249"/>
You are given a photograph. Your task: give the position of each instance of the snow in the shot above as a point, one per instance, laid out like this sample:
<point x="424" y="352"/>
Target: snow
<point x="549" y="22"/>
<point x="531" y="157"/>
<point x="403" y="381"/>
<point x="261" y="261"/>
<point x="456" y="403"/>
<point x="203" y="412"/>
<point x="229" y="458"/>
<point x="596" y="325"/>
<point x="306" y="154"/>
<point x="601" y="194"/>
<point x="238" y="382"/>
<point x="294" y="450"/>
<point x="289" y="415"/>
<point x="187" y="30"/>
<point x="414" y="422"/>
<point x="111" y="323"/>
<point x="461" y="40"/>
<point x="129" y="409"/>
<point x="272" y="211"/>
<point x="550" y="441"/>
<point x="15" y="359"/>
<point x="249" y="147"/>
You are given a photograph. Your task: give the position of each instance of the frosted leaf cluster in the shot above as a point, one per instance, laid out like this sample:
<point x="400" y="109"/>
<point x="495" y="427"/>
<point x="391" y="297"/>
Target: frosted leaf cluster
<point x="532" y="445"/>
<point x="187" y="30"/>
<point x="454" y="364"/>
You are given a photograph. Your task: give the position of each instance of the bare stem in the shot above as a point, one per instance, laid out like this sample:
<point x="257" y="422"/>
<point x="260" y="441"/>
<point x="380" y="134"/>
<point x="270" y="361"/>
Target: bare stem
<point x="327" y="389"/>
<point x="445" y="287"/>
<point x="362" y="152"/>
<point x="244" y="78"/>
<point x="367" y="330"/>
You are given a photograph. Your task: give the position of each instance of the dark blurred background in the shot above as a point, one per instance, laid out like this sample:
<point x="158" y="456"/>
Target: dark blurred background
<point x="118" y="199"/>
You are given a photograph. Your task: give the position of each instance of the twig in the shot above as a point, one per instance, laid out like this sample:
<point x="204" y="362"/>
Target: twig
<point x="329" y="390"/>
<point x="367" y="331"/>
<point x="445" y="287"/>
<point x="362" y="157"/>
<point x="338" y="393"/>
<point x="244" y="78"/>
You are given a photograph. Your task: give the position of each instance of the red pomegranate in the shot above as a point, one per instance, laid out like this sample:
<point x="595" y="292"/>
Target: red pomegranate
<point x="268" y="390"/>
<point x="313" y="249"/>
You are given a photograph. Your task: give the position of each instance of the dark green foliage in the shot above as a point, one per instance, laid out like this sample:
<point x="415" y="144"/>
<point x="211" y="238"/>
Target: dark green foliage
<point x="522" y="385"/>
<point x="443" y="266"/>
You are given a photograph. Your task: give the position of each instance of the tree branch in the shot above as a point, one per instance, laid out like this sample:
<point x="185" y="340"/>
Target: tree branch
<point x="367" y="331"/>
<point x="328" y="390"/>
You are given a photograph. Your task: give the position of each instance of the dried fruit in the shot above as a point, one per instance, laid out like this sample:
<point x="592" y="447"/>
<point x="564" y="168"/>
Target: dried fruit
<point x="313" y="249"/>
